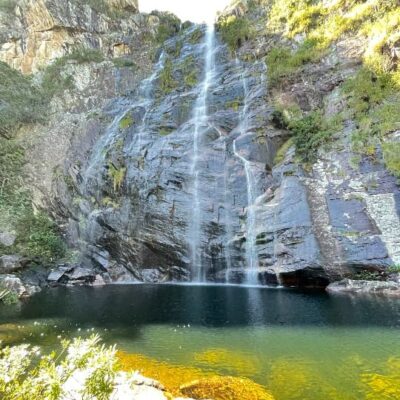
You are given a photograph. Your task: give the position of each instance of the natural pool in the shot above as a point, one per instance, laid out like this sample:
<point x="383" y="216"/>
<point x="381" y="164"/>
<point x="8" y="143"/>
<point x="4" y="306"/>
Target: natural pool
<point x="298" y="345"/>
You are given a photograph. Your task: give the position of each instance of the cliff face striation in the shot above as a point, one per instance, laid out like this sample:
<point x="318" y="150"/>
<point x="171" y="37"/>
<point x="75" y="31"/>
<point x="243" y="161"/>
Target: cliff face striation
<point x="264" y="150"/>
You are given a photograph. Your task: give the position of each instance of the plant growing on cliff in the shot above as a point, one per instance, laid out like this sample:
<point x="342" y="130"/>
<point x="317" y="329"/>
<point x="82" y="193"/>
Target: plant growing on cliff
<point x="283" y="62"/>
<point x="20" y="101"/>
<point x="168" y="27"/>
<point x="311" y="132"/>
<point x="38" y="238"/>
<point x="167" y="80"/>
<point x="234" y="31"/>
<point x="117" y="176"/>
<point x="391" y="156"/>
<point x="7" y="296"/>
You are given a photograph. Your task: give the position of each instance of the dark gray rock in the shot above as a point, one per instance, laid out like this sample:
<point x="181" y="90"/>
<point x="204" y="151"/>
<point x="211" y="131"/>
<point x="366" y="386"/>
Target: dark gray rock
<point x="11" y="263"/>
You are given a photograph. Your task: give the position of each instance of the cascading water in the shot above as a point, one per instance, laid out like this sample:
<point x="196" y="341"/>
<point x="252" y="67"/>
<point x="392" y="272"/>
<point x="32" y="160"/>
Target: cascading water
<point x="251" y="269"/>
<point x="200" y="119"/>
<point x="145" y="92"/>
<point x="113" y="130"/>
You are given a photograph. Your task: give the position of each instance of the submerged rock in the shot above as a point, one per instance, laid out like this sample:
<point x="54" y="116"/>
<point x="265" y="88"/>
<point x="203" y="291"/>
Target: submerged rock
<point x="224" y="388"/>
<point x="366" y="287"/>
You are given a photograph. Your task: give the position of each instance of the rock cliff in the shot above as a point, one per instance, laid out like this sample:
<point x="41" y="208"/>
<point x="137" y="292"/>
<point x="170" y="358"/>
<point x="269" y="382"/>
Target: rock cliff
<point x="184" y="153"/>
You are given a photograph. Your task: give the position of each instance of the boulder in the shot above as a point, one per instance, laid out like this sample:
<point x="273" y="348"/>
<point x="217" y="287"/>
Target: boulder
<point x="81" y="273"/>
<point x="56" y="274"/>
<point x="10" y="263"/>
<point x="15" y="284"/>
<point x="7" y="239"/>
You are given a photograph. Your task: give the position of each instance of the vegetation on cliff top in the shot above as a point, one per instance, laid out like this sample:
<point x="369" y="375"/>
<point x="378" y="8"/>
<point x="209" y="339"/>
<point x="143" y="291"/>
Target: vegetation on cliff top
<point x="234" y="31"/>
<point x="309" y="29"/>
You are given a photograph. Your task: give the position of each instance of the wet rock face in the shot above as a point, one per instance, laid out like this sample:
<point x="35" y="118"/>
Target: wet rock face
<point x="137" y="194"/>
<point x="134" y="195"/>
<point x="144" y="191"/>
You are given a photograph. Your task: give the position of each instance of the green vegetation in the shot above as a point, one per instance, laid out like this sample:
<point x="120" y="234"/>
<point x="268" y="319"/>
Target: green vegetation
<point x="8" y="297"/>
<point x="309" y="132"/>
<point x="26" y="374"/>
<point x="126" y="122"/>
<point x="196" y="36"/>
<point x="368" y="276"/>
<point x="123" y="62"/>
<point x="372" y="94"/>
<point x="283" y="63"/>
<point x="37" y="236"/>
<point x="391" y="156"/>
<point x="234" y="31"/>
<point x="7" y="6"/>
<point x="167" y="81"/>
<point x="117" y="176"/>
<point x="189" y="71"/>
<point x="169" y="26"/>
<point x="374" y="104"/>
<point x="394" y="269"/>
<point x="281" y="153"/>
<point x="21" y="101"/>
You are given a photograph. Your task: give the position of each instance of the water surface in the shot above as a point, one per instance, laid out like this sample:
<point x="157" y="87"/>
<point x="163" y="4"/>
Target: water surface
<point x="299" y="345"/>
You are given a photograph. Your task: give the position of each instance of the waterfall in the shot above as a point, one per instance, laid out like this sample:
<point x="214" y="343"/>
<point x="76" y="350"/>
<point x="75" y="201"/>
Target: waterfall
<point x="145" y="93"/>
<point x="251" y="269"/>
<point x="200" y="119"/>
<point x="227" y="211"/>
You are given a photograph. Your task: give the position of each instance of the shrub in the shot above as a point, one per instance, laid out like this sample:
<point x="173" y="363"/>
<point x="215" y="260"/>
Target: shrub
<point x="25" y="373"/>
<point x="189" y="71"/>
<point x="169" y="26"/>
<point x="117" y="176"/>
<point x="311" y="132"/>
<point x="20" y="101"/>
<point x="85" y="55"/>
<point x="283" y="62"/>
<point x="394" y="269"/>
<point x="167" y="81"/>
<point x="126" y="122"/>
<point x="281" y="153"/>
<point x="38" y="238"/>
<point x="234" y="31"/>
<point x="374" y="103"/>
<point x="391" y="155"/>
<point x="7" y="296"/>
<point x="122" y="62"/>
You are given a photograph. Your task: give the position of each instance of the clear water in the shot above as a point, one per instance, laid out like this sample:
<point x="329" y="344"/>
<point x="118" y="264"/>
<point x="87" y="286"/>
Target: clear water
<point x="298" y="345"/>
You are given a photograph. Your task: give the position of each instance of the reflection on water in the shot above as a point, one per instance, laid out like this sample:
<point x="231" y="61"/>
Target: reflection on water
<point x="299" y="346"/>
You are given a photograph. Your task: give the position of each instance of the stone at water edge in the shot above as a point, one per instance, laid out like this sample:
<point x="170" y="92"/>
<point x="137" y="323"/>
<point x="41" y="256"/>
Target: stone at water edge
<point x="14" y="284"/>
<point x="10" y="263"/>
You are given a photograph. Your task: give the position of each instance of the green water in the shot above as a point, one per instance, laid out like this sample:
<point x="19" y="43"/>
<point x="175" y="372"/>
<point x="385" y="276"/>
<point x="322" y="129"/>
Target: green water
<point x="299" y="346"/>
